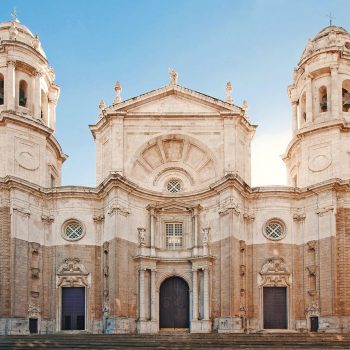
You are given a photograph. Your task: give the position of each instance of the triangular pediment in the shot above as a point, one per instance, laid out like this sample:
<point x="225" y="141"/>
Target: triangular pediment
<point x="174" y="205"/>
<point x="176" y="100"/>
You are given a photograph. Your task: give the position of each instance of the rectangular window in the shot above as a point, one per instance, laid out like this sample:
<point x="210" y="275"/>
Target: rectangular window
<point x="173" y="235"/>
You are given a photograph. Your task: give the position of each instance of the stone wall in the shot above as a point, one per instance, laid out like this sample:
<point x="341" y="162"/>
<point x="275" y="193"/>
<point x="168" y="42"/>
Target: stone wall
<point x="5" y="264"/>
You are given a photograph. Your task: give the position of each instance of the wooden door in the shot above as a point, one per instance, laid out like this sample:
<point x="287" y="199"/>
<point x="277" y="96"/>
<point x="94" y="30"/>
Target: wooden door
<point x="314" y="324"/>
<point x="174" y="304"/>
<point x="73" y="308"/>
<point x="275" y="307"/>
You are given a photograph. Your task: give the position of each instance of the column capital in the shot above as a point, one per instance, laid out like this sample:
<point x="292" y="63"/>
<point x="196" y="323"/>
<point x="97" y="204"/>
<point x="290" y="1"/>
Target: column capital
<point x="334" y="67"/>
<point x="11" y="63"/>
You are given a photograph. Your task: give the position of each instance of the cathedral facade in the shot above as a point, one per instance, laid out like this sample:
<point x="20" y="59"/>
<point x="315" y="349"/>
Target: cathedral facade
<point x="173" y="236"/>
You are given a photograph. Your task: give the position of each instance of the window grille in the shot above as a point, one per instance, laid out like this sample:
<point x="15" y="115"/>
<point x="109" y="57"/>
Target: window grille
<point x="173" y="235"/>
<point x="274" y="230"/>
<point x="73" y="230"/>
<point x="174" y="186"/>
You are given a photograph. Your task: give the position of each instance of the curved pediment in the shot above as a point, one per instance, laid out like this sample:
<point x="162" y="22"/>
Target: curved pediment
<point x="173" y="157"/>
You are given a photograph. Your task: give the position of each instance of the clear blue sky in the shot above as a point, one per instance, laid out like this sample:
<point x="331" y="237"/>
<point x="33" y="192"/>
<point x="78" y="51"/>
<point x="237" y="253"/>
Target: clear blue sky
<point x="91" y="44"/>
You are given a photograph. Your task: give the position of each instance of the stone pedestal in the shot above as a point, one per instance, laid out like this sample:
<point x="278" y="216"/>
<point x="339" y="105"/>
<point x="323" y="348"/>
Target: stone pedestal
<point x="201" y="326"/>
<point x="146" y="327"/>
<point x="228" y="325"/>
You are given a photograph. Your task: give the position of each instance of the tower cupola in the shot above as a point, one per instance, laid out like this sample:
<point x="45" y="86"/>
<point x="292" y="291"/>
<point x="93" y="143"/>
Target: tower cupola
<point x="320" y="98"/>
<point x="28" y="98"/>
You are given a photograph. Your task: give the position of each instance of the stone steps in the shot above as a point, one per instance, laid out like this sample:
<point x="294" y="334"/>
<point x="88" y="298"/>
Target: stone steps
<point x="178" y="341"/>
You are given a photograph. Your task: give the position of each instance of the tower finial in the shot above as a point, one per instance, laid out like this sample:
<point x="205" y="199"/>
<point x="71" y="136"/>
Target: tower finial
<point x="330" y="19"/>
<point x="173" y="76"/>
<point x="14" y="15"/>
<point x="229" y="98"/>
<point x="118" y="91"/>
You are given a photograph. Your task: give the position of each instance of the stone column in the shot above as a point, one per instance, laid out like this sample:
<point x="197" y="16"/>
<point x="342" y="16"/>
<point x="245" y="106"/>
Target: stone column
<point x="206" y="293"/>
<point x="294" y="117"/>
<point x="153" y="227"/>
<point x="195" y="294"/>
<point x="37" y="95"/>
<point x="10" y="86"/>
<point x="142" y="294"/>
<point x="153" y="295"/>
<point x="335" y="92"/>
<point x="195" y="231"/>
<point x="308" y="107"/>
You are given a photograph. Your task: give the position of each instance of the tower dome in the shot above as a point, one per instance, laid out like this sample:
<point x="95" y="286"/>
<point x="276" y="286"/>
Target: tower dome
<point x="320" y="97"/>
<point x="28" y="98"/>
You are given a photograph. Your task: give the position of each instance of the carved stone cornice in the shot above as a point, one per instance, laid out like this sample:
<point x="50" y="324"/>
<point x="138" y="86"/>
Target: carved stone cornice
<point x="118" y="209"/>
<point x="248" y="217"/>
<point x="312" y="269"/>
<point x="324" y="210"/>
<point x="98" y="219"/>
<point x="21" y="211"/>
<point x="47" y="219"/>
<point x="229" y="205"/>
<point x="299" y="217"/>
<point x="35" y="247"/>
<point x="311" y="245"/>
<point x="106" y="247"/>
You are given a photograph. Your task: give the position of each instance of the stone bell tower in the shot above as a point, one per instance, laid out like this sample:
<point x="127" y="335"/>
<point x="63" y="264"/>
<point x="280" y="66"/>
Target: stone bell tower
<point x="28" y="98"/>
<point x="320" y="97"/>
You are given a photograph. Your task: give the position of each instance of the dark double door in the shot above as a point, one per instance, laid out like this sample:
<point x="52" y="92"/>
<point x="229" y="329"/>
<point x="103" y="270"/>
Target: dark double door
<point x="275" y="307"/>
<point x="73" y="308"/>
<point x="174" y="304"/>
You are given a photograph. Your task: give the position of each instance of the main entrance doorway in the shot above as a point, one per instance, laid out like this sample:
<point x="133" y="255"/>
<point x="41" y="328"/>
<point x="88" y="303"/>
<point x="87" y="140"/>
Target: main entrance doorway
<point x="174" y="304"/>
<point x="73" y="308"/>
<point x="275" y="307"/>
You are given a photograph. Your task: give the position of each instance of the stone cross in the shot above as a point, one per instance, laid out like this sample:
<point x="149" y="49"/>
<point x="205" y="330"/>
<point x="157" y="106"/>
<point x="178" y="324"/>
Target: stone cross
<point x="330" y="19"/>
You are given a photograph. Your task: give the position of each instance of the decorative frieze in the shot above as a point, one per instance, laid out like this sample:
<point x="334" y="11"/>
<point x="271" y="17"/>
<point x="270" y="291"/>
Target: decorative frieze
<point x="72" y="273"/>
<point x="229" y="205"/>
<point x="274" y="273"/>
<point x="34" y="311"/>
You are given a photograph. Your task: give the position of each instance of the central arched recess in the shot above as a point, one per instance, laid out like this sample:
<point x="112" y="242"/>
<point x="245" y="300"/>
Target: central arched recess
<point x="174" y="304"/>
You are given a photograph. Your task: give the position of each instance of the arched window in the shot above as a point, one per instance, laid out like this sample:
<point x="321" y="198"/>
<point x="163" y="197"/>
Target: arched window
<point x="322" y="95"/>
<point x="302" y="109"/>
<point x="44" y="106"/>
<point x="346" y="96"/>
<point x="22" y="93"/>
<point x="1" y="89"/>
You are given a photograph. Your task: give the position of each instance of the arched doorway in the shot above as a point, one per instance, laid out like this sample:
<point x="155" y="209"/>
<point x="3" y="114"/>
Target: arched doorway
<point x="174" y="304"/>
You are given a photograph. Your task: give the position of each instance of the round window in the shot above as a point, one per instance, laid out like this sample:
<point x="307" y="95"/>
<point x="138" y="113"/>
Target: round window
<point x="174" y="186"/>
<point x="73" y="230"/>
<point x="274" y="229"/>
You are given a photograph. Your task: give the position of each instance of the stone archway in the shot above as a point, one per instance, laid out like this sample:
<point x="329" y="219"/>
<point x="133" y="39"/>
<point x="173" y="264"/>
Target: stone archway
<point x="174" y="304"/>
